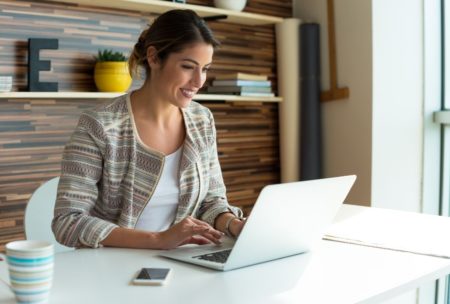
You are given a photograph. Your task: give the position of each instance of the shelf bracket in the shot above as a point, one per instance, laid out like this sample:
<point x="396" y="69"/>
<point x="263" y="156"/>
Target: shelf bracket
<point x="215" y="17"/>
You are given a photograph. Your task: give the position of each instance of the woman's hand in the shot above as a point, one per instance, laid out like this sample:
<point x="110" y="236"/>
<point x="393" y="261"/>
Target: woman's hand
<point x="189" y="231"/>
<point x="236" y="226"/>
<point x="230" y="224"/>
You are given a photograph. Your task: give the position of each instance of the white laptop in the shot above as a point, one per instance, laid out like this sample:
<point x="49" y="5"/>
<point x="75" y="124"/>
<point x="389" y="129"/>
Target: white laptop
<point x="287" y="219"/>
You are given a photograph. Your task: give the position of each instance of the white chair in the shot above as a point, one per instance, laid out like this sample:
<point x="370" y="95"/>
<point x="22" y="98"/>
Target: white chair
<point x="39" y="215"/>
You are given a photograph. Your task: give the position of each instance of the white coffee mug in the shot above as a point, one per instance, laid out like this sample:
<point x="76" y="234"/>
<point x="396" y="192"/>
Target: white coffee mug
<point x="30" y="265"/>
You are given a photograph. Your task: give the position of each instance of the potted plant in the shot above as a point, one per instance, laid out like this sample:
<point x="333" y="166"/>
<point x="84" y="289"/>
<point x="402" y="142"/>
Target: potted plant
<point x="111" y="72"/>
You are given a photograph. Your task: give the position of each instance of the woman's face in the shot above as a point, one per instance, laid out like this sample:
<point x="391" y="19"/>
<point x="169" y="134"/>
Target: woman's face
<point x="182" y="74"/>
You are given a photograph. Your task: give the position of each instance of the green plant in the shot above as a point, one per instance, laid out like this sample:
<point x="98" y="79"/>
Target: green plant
<point x="109" y="55"/>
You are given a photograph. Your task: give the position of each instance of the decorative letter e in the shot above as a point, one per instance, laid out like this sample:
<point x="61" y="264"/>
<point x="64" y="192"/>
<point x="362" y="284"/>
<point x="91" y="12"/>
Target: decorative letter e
<point x="35" y="65"/>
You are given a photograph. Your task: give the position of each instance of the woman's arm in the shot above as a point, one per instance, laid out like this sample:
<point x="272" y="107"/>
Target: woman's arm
<point x="81" y="169"/>
<point x="229" y="224"/>
<point x="215" y="208"/>
<point x="131" y="238"/>
<point x="189" y="230"/>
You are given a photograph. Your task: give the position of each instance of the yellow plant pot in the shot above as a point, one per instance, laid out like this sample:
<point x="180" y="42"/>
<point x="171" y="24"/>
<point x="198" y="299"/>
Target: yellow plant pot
<point x="112" y="76"/>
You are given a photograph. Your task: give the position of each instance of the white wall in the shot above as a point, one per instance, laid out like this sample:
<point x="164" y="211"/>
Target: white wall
<point x="397" y="121"/>
<point x="402" y="175"/>
<point x="347" y="131"/>
<point x="378" y="132"/>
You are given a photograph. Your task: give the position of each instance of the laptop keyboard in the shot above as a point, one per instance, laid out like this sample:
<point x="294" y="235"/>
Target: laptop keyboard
<point x="218" y="256"/>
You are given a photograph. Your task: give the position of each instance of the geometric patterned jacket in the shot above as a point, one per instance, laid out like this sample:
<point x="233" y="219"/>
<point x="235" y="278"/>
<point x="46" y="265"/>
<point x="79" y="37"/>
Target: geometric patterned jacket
<point x="108" y="176"/>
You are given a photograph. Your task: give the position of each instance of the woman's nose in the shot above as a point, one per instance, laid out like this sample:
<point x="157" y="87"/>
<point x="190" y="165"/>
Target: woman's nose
<point x="198" y="78"/>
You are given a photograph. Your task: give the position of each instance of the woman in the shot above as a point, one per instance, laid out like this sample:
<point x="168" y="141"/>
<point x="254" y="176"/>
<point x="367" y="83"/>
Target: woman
<point x="142" y="171"/>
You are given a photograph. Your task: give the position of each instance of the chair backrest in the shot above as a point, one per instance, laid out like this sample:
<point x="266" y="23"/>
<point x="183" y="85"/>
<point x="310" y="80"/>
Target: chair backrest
<point x="39" y="215"/>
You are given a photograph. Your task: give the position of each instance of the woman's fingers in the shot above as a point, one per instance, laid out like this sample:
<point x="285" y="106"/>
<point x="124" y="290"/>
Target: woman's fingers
<point x="200" y="227"/>
<point x="212" y="238"/>
<point x="196" y="239"/>
<point x="208" y="233"/>
<point x="190" y="230"/>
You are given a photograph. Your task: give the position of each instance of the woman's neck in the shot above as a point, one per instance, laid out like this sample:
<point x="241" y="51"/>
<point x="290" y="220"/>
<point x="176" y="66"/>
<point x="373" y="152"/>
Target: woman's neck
<point x="148" y="105"/>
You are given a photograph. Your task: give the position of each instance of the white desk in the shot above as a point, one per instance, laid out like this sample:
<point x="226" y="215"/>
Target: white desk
<point x="332" y="273"/>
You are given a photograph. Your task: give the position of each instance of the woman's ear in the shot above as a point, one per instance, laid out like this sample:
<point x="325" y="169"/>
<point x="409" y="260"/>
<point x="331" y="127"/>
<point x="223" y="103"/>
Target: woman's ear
<point x="152" y="57"/>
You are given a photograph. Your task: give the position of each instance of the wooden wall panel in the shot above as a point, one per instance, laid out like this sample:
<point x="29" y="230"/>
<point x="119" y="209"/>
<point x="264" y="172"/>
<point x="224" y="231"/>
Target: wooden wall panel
<point x="32" y="136"/>
<point x="33" y="132"/>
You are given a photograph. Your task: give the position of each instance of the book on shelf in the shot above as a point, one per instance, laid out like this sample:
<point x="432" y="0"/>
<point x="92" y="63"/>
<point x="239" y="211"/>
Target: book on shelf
<point x="244" y="83"/>
<point x="241" y="76"/>
<point x="238" y="89"/>
<point x="255" y="94"/>
<point x="248" y="94"/>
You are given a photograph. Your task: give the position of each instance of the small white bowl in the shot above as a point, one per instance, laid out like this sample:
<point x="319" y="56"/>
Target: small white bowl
<point x="5" y="83"/>
<point x="5" y="79"/>
<point x="234" y="5"/>
<point x="6" y="88"/>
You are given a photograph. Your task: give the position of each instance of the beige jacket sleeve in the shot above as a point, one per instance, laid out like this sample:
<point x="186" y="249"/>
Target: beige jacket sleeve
<point x="81" y="169"/>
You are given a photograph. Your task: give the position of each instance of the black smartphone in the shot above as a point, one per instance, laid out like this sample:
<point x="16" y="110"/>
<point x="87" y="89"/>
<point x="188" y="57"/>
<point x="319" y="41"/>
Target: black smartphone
<point x="152" y="276"/>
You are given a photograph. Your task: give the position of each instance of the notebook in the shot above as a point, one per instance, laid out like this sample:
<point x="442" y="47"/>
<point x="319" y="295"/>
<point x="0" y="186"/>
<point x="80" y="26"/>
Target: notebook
<point x="287" y="219"/>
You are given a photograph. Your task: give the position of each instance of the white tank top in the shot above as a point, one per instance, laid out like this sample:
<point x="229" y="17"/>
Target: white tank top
<point x="160" y="210"/>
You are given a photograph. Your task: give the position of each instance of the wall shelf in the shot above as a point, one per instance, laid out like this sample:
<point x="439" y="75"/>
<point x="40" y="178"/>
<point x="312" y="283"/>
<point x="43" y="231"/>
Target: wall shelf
<point x="58" y="95"/>
<point x="158" y="6"/>
<point x="236" y="98"/>
<point x="98" y="95"/>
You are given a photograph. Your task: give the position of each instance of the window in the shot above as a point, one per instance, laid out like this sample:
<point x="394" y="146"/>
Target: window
<point x="436" y="168"/>
<point x="443" y="118"/>
<point x="442" y="124"/>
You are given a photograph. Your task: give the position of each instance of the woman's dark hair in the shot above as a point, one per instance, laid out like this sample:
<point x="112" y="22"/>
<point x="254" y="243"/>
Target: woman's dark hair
<point x="171" y="32"/>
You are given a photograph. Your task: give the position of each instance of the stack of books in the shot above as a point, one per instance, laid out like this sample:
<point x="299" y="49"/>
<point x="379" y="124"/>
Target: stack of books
<point x="242" y="84"/>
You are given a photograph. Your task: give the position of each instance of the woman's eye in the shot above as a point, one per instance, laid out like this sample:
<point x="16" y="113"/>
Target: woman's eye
<point x="205" y="70"/>
<point x="187" y="67"/>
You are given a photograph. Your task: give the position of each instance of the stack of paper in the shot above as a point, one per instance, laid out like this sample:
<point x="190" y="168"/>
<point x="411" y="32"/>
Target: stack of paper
<point x="392" y="229"/>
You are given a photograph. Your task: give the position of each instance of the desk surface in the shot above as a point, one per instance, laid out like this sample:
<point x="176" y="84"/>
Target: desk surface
<point x="331" y="273"/>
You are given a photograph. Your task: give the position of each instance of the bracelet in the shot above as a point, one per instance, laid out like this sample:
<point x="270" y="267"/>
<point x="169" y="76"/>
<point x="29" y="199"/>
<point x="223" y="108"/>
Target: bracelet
<point x="227" y="226"/>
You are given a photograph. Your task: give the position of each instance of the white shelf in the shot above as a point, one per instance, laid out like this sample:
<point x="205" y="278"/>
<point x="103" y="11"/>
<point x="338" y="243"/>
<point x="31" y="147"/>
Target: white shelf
<point x="97" y="95"/>
<point x="158" y="6"/>
<point x="236" y="98"/>
<point x="58" y="95"/>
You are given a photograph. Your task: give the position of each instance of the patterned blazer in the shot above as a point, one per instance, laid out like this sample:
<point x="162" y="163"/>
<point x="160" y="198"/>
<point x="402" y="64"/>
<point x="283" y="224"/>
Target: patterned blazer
<point x="108" y="176"/>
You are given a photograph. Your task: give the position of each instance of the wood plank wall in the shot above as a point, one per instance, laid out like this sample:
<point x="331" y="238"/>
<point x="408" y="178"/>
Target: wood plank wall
<point x="33" y="132"/>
